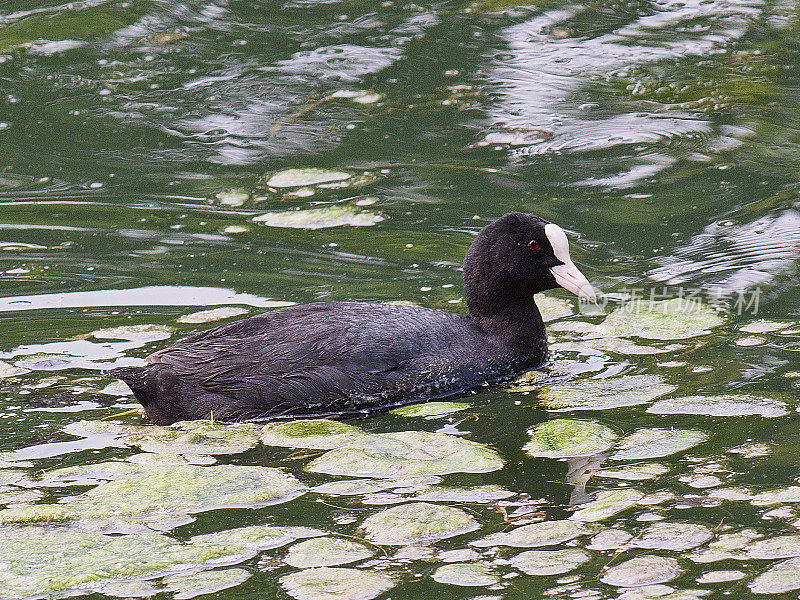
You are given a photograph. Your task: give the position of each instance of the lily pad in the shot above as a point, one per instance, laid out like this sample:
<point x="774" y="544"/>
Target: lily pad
<point x="566" y="438"/>
<point x="137" y="333"/>
<point x="407" y="453"/>
<point x="779" y="496"/>
<point x="325" y="552"/>
<point x="763" y="326"/>
<point x="602" y="394"/>
<point x="610" y="539"/>
<point x="639" y="472"/>
<point x="721" y="576"/>
<point x="478" y="493"/>
<point x="608" y="503"/>
<point x="257" y="537"/>
<point x="673" y="536"/>
<point x="642" y="570"/>
<point x="430" y="409"/>
<point x="234" y="197"/>
<point x="191" y="585"/>
<point x="553" y="308"/>
<point x="783" y="577"/>
<point x="466" y="574"/>
<point x="656" y="443"/>
<point x="417" y="523"/>
<point x="320" y="218"/>
<point x="673" y="319"/>
<point x="301" y="177"/>
<point x="546" y="533"/>
<point x="782" y="546"/>
<point x="315" y="434"/>
<point x="549" y="562"/>
<point x="215" y="314"/>
<point x="335" y="583"/>
<point x="724" y="405"/>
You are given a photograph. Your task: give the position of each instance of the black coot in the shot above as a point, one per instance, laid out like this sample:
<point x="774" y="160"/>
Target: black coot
<point x="342" y="357"/>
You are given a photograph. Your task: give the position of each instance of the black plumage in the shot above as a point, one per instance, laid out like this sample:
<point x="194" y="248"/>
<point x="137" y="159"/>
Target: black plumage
<point x="342" y="357"/>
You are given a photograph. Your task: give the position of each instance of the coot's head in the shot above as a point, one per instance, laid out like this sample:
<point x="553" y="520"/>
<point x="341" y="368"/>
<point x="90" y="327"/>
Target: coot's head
<point x="517" y="256"/>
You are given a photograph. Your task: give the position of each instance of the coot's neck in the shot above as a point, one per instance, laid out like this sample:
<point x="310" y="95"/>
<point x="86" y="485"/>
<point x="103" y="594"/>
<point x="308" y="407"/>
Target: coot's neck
<point x="507" y="313"/>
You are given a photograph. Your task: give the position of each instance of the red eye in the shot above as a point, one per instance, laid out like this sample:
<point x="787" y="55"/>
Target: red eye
<point x="533" y="245"/>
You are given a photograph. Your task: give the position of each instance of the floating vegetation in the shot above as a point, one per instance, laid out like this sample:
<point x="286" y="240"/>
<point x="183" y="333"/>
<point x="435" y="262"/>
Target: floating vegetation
<point x="783" y="577"/>
<point x="656" y="443"/>
<point x="546" y="533"/>
<point x="721" y="576"/>
<point x="316" y="434"/>
<point x="137" y="333"/>
<point x="215" y="314"/>
<point x="553" y="308"/>
<point x="335" y="583"/>
<point x="407" y="453"/>
<point x="470" y="574"/>
<point x="417" y="523"/>
<point x="673" y="536"/>
<point x="603" y="394"/>
<point x="643" y="570"/>
<point x="234" y="197"/>
<point x="191" y="585"/>
<point x="724" y="405"/>
<point x="430" y="409"/>
<point x="764" y="326"/>
<point x="304" y="177"/>
<point x="782" y="546"/>
<point x="549" y="562"/>
<point x="320" y="218"/>
<point x="638" y="472"/>
<point x="661" y="320"/>
<point x="325" y="552"/>
<point x="257" y="537"/>
<point x="565" y="438"/>
<point x="480" y="494"/>
<point x="610" y="539"/>
<point x="607" y="504"/>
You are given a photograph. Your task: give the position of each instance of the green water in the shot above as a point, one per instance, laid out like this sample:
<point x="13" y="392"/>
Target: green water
<point x="663" y="135"/>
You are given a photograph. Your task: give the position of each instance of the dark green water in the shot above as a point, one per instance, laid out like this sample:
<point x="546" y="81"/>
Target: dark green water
<point x="664" y="135"/>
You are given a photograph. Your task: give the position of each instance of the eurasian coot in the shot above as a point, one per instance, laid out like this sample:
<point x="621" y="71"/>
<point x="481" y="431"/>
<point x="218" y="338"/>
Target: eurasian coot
<point x="344" y="357"/>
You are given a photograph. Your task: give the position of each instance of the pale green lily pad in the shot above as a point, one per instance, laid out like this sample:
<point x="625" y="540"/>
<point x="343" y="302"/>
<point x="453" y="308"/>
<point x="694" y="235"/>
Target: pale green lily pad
<point x="727" y="547"/>
<point x="656" y="443"/>
<point x="309" y="176"/>
<point x="335" y="583"/>
<point x="724" y="405"/>
<point x="407" y="453"/>
<point x="215" y="314"/>
<point x="116" y="388"/>
<point x="673" y="319"/>
<point x="234" y="197"/>
<point x="9" y="370"/>
<point x="479" y="493"/>
<point x="257" y="537"/>
<point x="153" y="458"/>
<point x="783" y="577"/>
<point x="90" y="474"/>
<point x="673" y="536"/>
<point x="660" y="592"/>
<point x="782" y="546"/>
<point x="601" y="346"/>
<point x="417" y="523"/>
<point x="325" y="552"/>
<point x="12" y="476"/>
<point x="315" y="434"/>
<point x="138" y="333"/>
<point x="608" y="503"/>
<point x="721" y="576"/>
<point x="352" y="487"/>
<point x="430" y="409"/>
<point x="779" y="496"/>
<point x="639" y="472"/>
<point x="55" y="561"/>
<point x="764" y="326"/>
<point x="180" y="488"/>
<point x="549" y="562"/>
<point x="320" y="218"/>
<point x="466" y="574"/>
<point x="553" y="308"/>
<point x="191" y="585"/>
<point x="14" y="495"/>
<point x="546" y="533"/>
<point x="566" y="438"/>
<point x="602" y="394"/>
<point x="610" y="539"/>
<point x="641" y="571"/>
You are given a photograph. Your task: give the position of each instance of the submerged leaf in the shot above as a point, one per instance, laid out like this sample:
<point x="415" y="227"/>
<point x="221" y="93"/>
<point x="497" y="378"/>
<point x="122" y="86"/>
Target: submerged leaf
<point x="417" y="523"/>
<point x="602" y="394"/>
<point x="565" y="438"/>
<point x="327" y="583"/>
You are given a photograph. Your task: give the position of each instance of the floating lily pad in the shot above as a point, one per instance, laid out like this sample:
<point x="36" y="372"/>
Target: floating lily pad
<point x="335" y="583"/>
<point x="407" y="453"/>
<point x="764" y="326"/>
<point x="727" y="547"/>
<point x="8" y="370"/>
<point x="782" y="546"/>
<point x="301" y="177"/>
<point x="601" y="346"/>
<point x="257" y="537"/>
<point x="724" y="405"/>
<point x="55" y="561"/>
<point x="602" y="394"/>
<point x="430" y="409"/>
<point x="660" y="592"/>
<point x="565" y="438"/>
<point x="353" y="487"/>
<point x="417" y="523"/>
<point x="607" y="504"/>
<point x="90" y="474"/>
<point x="721" y="576"/>
<point x="673" y="536"/>
<point x="325" y="552"/>
<point x="546" y="533"/>
<point x="783" y="577"/>
<point x="320" y="218"/>
<point x="549" y="562"/>
<point x="779" y="496"/>
<point x="234" y="197"/>
<point x="553" y="308"/>
<point x="215" y="314"/>
<point x="610" y="539"/>
<point x="316" y="434"/>
<point x="138" y="333"/>
<point x="642" y="570"/>
<point x="656" y="443"/>
<point x="191" y="585"/>
<point x="661" y="320"/>
<point x="466" y="574"/>
<point x="116" y="388"/>
<point x="479" y="493"/>
<point x="640" y="472"/>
